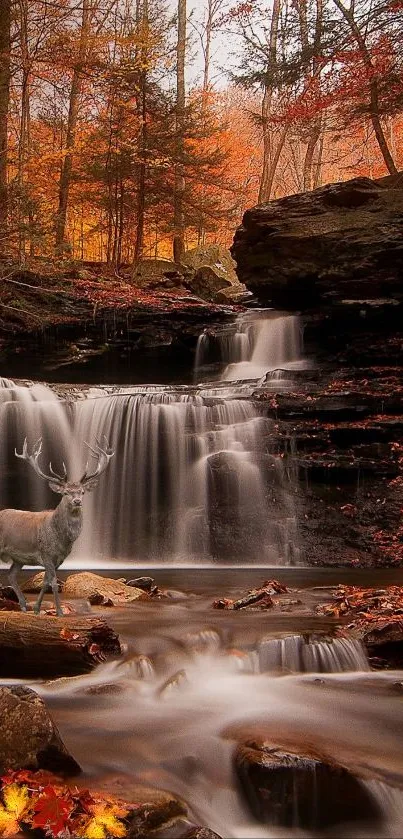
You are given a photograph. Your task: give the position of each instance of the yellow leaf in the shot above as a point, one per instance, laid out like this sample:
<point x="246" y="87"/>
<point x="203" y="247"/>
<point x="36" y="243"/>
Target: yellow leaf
<point x="94" y="830"/>
<point x="104" y="822"/>
<point x="16" y="800"/>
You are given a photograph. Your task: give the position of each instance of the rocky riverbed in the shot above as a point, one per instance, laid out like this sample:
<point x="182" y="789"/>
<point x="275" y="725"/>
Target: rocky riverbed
<point x="238" y="712"/>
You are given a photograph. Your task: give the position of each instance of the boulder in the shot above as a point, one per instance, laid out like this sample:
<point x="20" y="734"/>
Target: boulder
<point x="101" y="591"/>
<point x="213" y="276"/>
<point x="34" y="584"/>
<point x="153" y="808"/>
<point x="145" y="583"/>
<point x="29" y="738"/>
<point x="341" y="242"/>
<point x="159" y="274"/>
<point x="297" y="790"/>
<point x="384" y="642"/>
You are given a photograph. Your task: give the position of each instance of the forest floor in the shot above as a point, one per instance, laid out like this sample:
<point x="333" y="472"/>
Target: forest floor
<point x="47" y="295"/>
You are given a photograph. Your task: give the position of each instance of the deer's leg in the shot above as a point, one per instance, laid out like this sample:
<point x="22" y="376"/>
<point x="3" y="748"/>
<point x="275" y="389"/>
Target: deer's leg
<point x="38" y="604"/>
<point x="50" y="574"/>
<point x="12" y="576"/>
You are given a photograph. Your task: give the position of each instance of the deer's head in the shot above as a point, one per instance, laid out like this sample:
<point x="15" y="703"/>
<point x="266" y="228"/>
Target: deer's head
<point x="73" y="492"/>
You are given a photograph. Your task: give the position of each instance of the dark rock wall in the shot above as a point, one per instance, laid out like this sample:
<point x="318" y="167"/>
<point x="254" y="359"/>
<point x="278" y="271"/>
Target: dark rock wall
<point x="341" y="241"/>
<point x="336" y="256"/>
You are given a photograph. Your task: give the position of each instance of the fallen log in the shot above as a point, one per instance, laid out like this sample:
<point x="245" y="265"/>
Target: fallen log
<point x="40" y="646"/>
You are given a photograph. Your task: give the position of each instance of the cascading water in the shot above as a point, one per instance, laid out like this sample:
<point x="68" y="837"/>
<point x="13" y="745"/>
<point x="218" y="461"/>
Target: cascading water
<point x="190" y="481"/>
<point x="294" y="655"/>
<point x="258" y="342"/>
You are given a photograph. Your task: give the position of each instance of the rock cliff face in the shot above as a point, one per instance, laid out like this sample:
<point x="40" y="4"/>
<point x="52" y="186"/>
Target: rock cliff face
<point x="341" y="242"/>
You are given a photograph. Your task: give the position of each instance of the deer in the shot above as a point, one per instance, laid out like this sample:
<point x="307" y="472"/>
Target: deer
<point x="46" y="538"/>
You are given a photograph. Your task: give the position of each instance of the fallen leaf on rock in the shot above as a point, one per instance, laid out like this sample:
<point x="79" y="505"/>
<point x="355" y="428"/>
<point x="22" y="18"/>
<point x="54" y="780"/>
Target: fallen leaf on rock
<point x="52" y="811"/>
<point x="105" y="821"/>
<point x="16" y="804"/>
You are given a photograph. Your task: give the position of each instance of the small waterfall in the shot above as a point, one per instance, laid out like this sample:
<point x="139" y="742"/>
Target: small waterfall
<point x="293" y="654"/>
<point x="259" y="341"/>
<point x="30" y="412"/>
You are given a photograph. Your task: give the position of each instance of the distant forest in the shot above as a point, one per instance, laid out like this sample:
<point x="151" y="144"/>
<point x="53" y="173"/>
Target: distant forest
<point x="109" y="153"/>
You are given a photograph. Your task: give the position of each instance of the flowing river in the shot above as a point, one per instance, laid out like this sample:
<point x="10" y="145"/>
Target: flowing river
<point x="199" y="492"/>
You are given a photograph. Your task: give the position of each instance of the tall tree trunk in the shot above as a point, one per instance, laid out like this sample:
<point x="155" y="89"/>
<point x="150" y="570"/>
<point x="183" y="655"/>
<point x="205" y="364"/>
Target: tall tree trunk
<point x="180" y="184"/>
<point x="24" y="138"/>
<point x="5" y="15"/>
<point x="74" y="103"/>
<point x="143" y="19"/>
<point x="316" y="127"/>
<point x="211" y="10"/>
<point x="309" y="154"/>
<point x="266" y="181"/>
<point x="348" y="15"/>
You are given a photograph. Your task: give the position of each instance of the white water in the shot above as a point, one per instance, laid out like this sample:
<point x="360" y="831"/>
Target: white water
<point x="191" y="479"/>
<point x="293" y="655"/>
<point x="259" y="342"/>
<point x="180" y="733"/>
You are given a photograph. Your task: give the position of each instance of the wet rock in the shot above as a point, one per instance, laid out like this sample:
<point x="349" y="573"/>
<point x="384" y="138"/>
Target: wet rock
<point x="173" y="684"/>
<point x="201" y="833"/>
<point x="34" y="584"/>
<point x="385" y="643"/>
<point x="153" y="808"/>
<point x="29" y="738"/>
<point x="297" y="790"/>
<point x="108" y="689"/>
<point x="101" y="590"/>
<point x="171" y="594"/>
<point x="341" y="242"/>
<point x="145" y="583"/>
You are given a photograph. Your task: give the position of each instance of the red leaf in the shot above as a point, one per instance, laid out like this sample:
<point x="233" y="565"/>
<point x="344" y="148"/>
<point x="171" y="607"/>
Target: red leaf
<point x="52" y="811"/>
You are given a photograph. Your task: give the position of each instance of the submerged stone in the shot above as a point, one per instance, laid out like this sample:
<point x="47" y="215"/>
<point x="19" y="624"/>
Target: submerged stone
<point x="297" y="790"/>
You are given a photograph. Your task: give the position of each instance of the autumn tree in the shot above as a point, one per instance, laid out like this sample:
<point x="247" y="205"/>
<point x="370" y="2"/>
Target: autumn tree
<point x="365" y="26"/>
<point x="5" y="45"/>
<point x="74" y="104"/>
<point x="180" y="183"/>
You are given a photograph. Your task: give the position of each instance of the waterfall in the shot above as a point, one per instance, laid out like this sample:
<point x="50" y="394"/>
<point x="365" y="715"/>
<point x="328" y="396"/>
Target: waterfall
<point x="30" y="412"/>
<point x="293" y="654"/>
<point x="191" y="481"/>
<point x="258" y="342"/>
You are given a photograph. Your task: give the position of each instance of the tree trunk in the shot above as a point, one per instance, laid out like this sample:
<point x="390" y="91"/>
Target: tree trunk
<point x="309" y="155"/>
<point x="316" y="129"/>
<point x="38" y="646"/>
<point x="373" y="88"/>
<point x="24" y="141"/>
<point x="266" y="182"/>
<point x="5" y="14"/>
<point x="180" y="184"/>
<point x="67" y="163"/>
<point x="211" y="10"/>
<point x="142" y="140"/>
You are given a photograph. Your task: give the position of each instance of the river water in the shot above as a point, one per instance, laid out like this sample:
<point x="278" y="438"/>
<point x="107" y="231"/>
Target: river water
<point x="197" y="493"/>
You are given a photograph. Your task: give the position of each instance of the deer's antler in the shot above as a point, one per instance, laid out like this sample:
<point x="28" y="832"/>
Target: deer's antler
<point x="103" y="453"/>
<point x="33" y="459"/>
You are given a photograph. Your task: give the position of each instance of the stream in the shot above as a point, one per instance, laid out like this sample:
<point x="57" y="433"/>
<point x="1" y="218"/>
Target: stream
<point x="199" y="492"/>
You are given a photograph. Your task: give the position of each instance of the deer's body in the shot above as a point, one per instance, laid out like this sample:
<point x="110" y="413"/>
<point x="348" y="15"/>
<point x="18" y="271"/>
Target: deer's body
<point x="33" y="538"/>
<point x="46" y="538"/>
